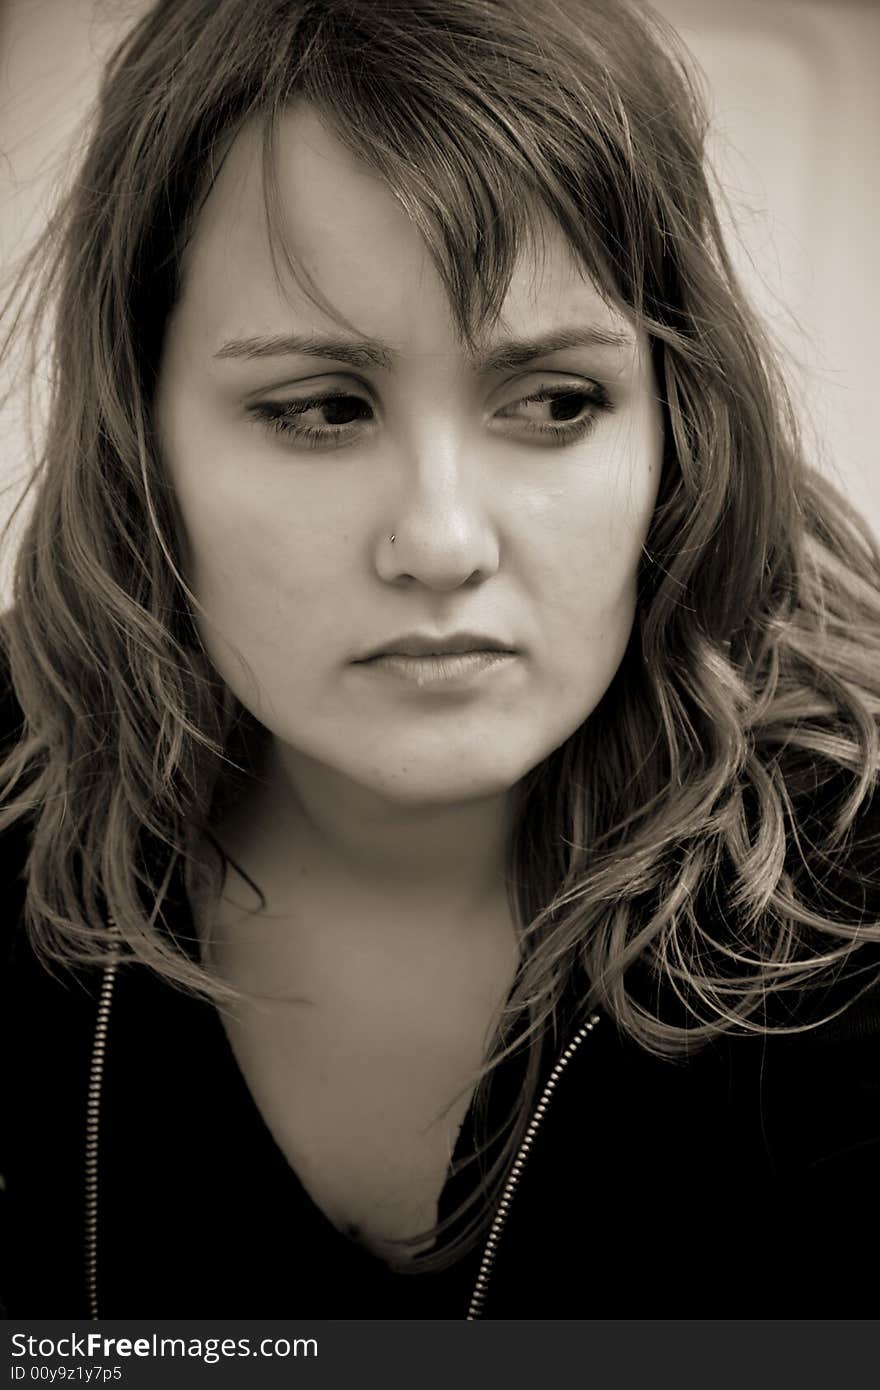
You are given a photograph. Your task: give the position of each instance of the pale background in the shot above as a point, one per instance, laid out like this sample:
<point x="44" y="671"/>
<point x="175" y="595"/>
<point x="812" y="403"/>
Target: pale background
<point x="795" y="101"/>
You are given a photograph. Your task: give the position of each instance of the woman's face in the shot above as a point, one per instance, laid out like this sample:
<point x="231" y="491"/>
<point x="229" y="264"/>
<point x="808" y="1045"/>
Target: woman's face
<point x="347" y="493"/>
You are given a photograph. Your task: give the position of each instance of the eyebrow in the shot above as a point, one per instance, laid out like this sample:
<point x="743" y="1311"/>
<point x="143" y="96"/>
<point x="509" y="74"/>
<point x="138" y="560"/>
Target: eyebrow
<point x="370" y="353"/>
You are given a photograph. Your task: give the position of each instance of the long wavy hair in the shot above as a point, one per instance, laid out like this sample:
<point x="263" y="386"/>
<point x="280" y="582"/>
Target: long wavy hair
<point x="669" y="864"/>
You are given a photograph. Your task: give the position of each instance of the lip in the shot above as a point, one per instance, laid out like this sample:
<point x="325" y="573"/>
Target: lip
<point x="461" y="672"/>
<point x="419" y="644"/>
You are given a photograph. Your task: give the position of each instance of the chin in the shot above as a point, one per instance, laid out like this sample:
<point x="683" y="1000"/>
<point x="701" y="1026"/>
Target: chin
<point x="418" y="783"/>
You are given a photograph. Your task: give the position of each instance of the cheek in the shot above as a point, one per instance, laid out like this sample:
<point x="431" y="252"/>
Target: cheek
<point x="592" y="551"/>
<point x="262" y="596"/>
<point x="249" y="547"/>
<point x="266" y="591"/>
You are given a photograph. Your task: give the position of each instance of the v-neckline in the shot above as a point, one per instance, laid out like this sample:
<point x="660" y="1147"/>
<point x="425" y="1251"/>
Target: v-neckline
<point x="506" y="1079"/>
<point x="455" y="1184"/>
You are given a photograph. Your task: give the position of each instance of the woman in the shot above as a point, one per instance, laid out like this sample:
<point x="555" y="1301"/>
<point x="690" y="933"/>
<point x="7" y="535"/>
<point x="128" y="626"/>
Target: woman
<point x="439" y="795"/>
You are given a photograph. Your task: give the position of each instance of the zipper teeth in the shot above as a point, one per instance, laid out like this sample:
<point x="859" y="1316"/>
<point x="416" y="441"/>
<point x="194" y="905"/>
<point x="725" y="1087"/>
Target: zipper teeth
<point x="481" y="1287"/>
<point x="93" y="1116"/>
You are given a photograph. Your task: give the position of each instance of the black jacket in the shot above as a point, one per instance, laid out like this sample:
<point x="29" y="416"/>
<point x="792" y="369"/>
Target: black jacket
<point x="742" y="1182"/>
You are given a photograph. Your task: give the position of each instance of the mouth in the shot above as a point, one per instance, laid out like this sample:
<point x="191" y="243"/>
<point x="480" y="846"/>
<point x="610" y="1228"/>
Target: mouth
<point x="453" y="672"/>
<point x="422" y="645"/>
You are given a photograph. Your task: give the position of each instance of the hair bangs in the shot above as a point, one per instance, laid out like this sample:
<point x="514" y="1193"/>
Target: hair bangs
<point x="449" y="141"/>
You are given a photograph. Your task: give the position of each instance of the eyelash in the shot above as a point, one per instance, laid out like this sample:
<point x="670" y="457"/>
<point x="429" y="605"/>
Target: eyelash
<point x="277" y="416"/>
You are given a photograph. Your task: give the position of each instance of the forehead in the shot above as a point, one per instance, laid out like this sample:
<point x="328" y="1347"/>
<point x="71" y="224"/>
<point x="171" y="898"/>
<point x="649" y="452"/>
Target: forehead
<point x="357" y="245"/>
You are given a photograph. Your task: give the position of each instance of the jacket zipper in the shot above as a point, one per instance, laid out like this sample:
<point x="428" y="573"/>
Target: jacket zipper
<point x="93" y="1119"/>
<point x="481" y="1287"/>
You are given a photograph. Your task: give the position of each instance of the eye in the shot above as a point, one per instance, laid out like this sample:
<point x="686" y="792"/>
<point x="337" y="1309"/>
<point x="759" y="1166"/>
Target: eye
<point x="328" y="419"/>
<point x="560" y="414"/>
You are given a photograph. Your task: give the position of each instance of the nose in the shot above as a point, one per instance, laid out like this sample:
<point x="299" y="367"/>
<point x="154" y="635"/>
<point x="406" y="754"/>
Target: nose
<point x="440" y="533"/>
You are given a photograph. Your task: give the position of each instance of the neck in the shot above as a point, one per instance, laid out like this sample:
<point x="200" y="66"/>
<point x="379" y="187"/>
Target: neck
<point x="315" y="824"/>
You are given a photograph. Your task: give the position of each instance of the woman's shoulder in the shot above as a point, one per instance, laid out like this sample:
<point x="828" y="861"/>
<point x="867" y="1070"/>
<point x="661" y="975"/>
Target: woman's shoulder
<point x="833" y="866"/>
<point x="17" y="960"/>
